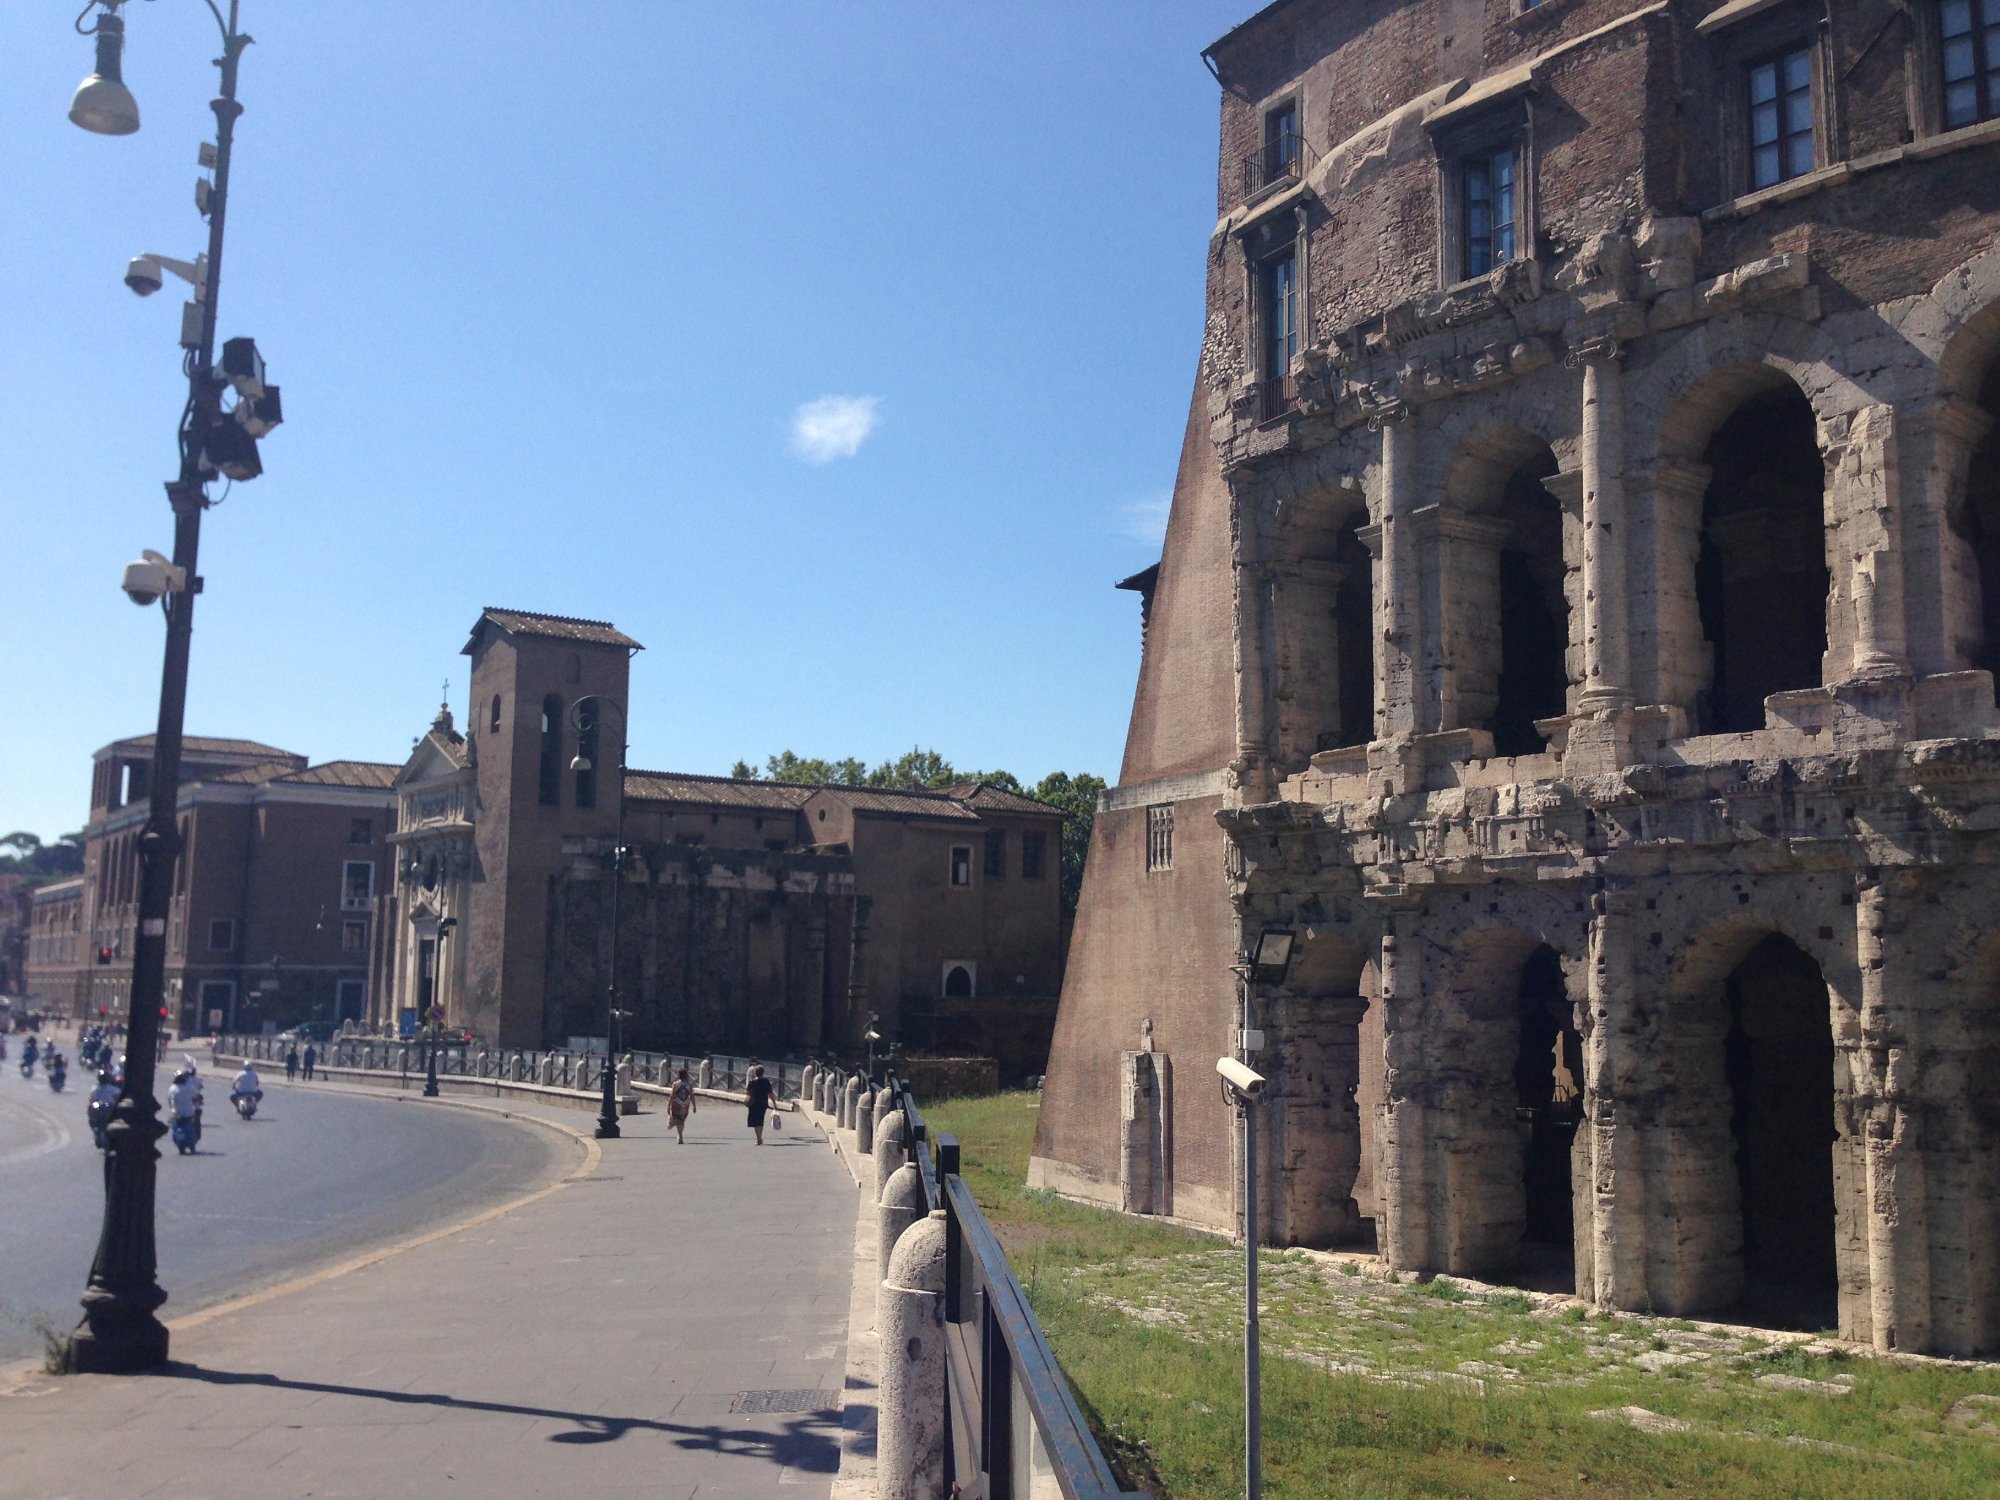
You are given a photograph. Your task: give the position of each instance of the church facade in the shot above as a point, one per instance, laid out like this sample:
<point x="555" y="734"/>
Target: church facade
<point x="1575" y="632"/>
<point x="753" y="916"/>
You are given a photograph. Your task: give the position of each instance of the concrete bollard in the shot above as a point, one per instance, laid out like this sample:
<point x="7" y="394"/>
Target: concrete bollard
<point x="891" y="1150"/>
<point x="864" y="1123"/>
<point x="704" y="1075"/>
<point x="849" y="1098"/>
<point x="899" y="1205"/>
<point x="807" y="1079"/>
<point x="828" y="1082"/>
<point x="624" y="1084"/>
<point x="819" y="1094"/>
<point x="545" y="1071"/>
<point x="910" y="1440"/>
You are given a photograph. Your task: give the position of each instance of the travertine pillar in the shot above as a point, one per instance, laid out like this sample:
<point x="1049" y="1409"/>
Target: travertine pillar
<point x="1672" y="662"/>
<point x="1606" y="621"/>
<point x="1863" y="486"/>
<point x="1608" y="1174"/>
<point x="1396" y="589"/>
<point x="1899" y="1289"/>
<point x="1252" y="762"/>
<point x="1944" y="607"/>
<point x="1407" y="1219"/>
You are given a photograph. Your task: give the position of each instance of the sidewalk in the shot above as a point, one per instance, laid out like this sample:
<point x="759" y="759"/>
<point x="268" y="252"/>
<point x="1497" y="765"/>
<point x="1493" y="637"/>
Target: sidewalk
<point x="669" y="1319"/>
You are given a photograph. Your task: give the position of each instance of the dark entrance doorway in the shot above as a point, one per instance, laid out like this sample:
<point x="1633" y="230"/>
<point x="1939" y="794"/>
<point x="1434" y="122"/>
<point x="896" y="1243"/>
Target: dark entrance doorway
<point x="1778" y="1056"/>
<point x="1548" y="1105"/>
<point x="1761" y="581"/>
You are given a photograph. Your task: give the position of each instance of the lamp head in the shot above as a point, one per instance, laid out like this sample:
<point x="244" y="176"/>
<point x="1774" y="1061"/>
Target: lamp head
<point x="581" y="763"/>
<point x="102" y="104"/>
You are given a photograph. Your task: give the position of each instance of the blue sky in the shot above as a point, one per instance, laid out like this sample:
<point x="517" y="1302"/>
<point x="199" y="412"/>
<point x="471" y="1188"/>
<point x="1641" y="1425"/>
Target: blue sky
<point x="838" y="352"/>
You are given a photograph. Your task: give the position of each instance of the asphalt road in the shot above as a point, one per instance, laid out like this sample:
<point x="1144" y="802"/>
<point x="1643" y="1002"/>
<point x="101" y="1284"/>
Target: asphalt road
<point x="316" y="1176"/>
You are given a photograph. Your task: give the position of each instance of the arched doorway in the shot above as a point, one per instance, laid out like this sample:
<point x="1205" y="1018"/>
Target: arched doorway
<point x="1312" y="1055"/>
<point x="1534" y="616"/>
<point x="1513" y="1048"/>
<point x="1761" y="579"/>
<point x="1548" y="1103"/>
<point x="1354" y="645"/>
<point x="1778" y="1059"/>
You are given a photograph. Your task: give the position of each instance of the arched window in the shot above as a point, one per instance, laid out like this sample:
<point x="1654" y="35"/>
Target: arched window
<point x="957" y="980"/>
<point x="551" y="769"/>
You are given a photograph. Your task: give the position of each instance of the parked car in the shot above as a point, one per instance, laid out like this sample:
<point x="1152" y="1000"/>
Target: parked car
<point x="309" y="1031"/>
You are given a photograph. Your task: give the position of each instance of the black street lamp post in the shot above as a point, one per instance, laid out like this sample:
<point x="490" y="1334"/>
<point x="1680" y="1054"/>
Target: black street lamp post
<point x="121" y="1329"/>
<point x="433" y="1017"/>
<point x="607" y="1113"/>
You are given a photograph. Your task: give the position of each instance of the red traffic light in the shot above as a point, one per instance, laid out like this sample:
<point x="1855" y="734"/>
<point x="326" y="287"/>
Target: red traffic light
<point x="100" y="1010"/>
<point x="104" y="955"/>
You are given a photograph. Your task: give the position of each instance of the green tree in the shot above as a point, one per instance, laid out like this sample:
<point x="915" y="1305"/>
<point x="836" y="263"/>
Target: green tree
<point x="52" y="861"/>
<point x="1077" y="797"/>
<point x="914" y="770"/>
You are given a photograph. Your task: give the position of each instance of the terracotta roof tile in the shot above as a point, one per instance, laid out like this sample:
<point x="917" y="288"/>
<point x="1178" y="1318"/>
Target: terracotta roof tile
<point x="350" y="773"/>
<point x="902" y="803"/>
<point x="199" y="745"/>
<point x="714" y="791"/>
<point x="557" y="627"/>
<point x="980" y="795"/>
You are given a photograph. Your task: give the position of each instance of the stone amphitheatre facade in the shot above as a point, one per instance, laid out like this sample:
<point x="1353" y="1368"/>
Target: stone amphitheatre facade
<point x="1576" y="626"/>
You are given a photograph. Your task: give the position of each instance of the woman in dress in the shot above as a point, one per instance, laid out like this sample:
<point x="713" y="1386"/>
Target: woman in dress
<point x="758" y="1091"/>
<point x="680" y="1104"/>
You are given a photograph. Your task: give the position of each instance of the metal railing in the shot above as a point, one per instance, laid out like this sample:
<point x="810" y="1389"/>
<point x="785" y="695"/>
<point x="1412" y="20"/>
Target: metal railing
<point x="1276" y="397"/>
<point x="1280" y="159"/>
<point x="1013" y="1429"/>
<point x="572" y="1069"/>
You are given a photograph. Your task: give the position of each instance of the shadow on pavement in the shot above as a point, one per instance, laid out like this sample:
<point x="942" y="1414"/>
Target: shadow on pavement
<point x="809" y="1442"/>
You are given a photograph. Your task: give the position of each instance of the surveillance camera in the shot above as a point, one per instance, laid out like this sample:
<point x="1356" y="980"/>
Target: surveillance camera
<point x="1240" y="1079"/>
<point x="150" y="577"/>
<point x="143" y="275"/>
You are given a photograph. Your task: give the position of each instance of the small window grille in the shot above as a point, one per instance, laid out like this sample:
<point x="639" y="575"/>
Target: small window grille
<point x="1031" y="855"/>
<point x="961" y="865"/>
<point x="1160" y="837"/>
<point x="996" y="852"/>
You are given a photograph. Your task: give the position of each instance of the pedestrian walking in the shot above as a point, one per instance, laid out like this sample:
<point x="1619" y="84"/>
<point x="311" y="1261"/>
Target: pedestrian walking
<point x="758" y="1091"/>
<point x="291" y="1062"/>
<point x="680" y="1104"/>
<point x="311" y="1057"/>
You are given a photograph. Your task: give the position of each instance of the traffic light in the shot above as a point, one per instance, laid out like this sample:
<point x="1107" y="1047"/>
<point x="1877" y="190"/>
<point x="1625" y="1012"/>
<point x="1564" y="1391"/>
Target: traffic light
<point x="104" y="955"/>
<point x="100" y="1012"/>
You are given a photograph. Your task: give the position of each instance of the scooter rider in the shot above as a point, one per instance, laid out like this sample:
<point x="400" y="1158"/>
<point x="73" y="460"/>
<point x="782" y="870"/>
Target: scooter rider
<point x="103" y="1099"/>
<point x="247" y="1083"/>
<point x="184" y="1099"/>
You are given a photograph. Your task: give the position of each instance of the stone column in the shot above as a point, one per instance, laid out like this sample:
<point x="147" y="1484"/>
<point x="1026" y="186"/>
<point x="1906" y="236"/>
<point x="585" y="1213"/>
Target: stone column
<point x="910" y="1441"/>
<point x="1407" y="1219"/>
<point x="1252" y="762"/>
<point x="1396" y="589"/>
<point x="1606" y="588"/>
<point x="1899" y="1285"/>
<point x="1945" y="613"/>
<point x="1863" y="483"/>
<point x="1458" y="588"/>
<point x="1608" y="1183"/>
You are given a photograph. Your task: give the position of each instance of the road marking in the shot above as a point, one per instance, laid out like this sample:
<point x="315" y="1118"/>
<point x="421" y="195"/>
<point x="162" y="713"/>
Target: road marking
<point x="592" y="1155"/>
<point x="53" y="1134"/>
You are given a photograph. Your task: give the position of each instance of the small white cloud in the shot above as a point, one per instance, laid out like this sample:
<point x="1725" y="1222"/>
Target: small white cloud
<point x="833" y="427"/>
<point x="1145" y="520"/>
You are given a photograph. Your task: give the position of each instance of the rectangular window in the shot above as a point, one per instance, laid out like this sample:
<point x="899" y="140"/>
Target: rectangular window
<point x="1969" y="51"/>
<point x="1160" y="837"/>
<point x="352" y="1000"/>
<point x="361" y="831"/>
<point x="1281" y="316"/>
<point x="1031" y="855"/>
<point x="222" y="935"/>
<point x="1489" y="208"/>
<point x="961" y="864"/>
<point x="353" y="937"/>
<point x="1781" y="117"/>
<point x="996" y="852"/>
<point x="357" y="885"/>
<point x="1281" y="143"/>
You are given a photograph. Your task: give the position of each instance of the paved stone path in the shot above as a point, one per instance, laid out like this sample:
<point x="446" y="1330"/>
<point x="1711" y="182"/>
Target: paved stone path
<point x="669" y="1320"/>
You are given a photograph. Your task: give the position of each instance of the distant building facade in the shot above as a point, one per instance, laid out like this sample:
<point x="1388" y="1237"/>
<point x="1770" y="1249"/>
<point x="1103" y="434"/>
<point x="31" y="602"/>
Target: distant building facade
<point x="1576" y="629"/>
<point x="756" y="916"/>
<point x="274" y="895"/>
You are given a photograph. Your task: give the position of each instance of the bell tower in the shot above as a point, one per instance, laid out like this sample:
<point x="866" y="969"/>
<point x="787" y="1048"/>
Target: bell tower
<point x="529" y="671"/>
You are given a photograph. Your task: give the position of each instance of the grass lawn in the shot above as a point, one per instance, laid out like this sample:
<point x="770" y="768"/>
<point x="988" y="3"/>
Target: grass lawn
<point x="1381" y="1388"/>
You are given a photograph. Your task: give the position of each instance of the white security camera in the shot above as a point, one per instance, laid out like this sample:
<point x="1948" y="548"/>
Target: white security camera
<point x="143" y="275"/>
<point x="1241" y="1080"/>
<point x="150" y="577"/>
